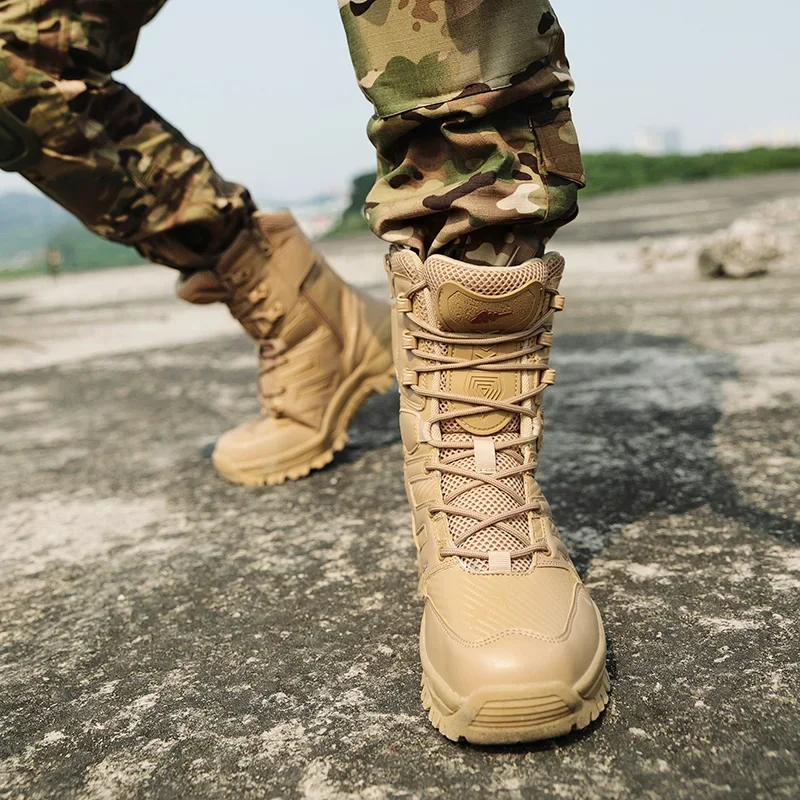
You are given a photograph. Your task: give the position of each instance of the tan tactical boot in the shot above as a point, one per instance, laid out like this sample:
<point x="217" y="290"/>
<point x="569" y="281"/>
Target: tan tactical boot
<point x="512" y="645"/>
<point x="324" y="348"/>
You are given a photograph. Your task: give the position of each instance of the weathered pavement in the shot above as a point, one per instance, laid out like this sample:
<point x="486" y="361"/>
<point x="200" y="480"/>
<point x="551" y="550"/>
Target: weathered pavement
<point x="164" y="634"/>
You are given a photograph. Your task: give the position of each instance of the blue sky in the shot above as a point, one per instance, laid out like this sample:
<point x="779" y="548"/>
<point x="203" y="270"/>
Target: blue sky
<point x="267" y="88"/>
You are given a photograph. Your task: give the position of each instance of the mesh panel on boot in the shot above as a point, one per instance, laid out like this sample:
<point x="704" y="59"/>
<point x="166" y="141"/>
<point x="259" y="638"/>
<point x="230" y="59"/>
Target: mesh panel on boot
<point x="493" y="281"/>
<point x="485" y="500"/>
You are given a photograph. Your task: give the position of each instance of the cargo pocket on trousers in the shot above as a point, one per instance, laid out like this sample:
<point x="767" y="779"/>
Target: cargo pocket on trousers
<point x="557" y="141"/>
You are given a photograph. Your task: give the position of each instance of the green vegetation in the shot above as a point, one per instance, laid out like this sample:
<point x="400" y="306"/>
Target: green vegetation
<point x="82" y="250"/>
<point x="352" y="221"/>
<point x="611" y="172"/>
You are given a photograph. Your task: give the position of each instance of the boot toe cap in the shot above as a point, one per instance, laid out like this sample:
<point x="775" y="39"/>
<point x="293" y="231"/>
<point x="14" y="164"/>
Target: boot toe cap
<point x="525" y="631"/>
<point x="262" y="442"/>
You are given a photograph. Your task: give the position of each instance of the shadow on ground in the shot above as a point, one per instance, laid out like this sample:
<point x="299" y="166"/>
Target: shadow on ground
<point x="626" y="436"/>
<point x="166" y="634"/>
<point x="631" y="430"/>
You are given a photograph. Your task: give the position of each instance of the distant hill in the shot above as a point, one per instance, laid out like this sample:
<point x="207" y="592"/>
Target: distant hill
<point x="26" y="220"/>
<point x="31" y="224"/>
<point x="18" y="208"/>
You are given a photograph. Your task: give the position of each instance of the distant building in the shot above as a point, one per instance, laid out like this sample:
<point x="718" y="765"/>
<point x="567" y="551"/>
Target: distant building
<point x="659" y="142"/>
<point x="784" y="135"/>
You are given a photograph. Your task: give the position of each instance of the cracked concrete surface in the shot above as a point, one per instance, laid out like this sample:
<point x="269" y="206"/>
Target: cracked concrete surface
<point x="164" y="634"/>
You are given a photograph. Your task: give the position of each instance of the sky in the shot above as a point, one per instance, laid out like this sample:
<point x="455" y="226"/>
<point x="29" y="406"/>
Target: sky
<point x="268" y="91"/>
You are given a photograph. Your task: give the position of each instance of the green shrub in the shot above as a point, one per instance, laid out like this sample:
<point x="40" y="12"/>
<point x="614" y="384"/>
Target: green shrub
<point x="609" y="172"/>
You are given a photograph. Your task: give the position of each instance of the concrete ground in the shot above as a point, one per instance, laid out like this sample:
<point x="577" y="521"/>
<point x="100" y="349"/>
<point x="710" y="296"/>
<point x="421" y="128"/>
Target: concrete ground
<point x="166" y="635"/>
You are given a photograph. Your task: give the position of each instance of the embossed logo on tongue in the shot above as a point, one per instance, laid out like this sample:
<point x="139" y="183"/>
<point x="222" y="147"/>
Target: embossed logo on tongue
<point x="486" y="316"/>
<point x="463" y="310"/>
<point x="483" y="385"/>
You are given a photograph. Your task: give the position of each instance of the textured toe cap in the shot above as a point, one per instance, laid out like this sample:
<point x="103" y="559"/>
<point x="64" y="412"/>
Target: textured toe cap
<point x="262" y="441"/>
<point x="499" y="630"/>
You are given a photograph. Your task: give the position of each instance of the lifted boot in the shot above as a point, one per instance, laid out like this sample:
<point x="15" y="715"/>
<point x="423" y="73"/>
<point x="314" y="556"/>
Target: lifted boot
<point x="324" y="347"/>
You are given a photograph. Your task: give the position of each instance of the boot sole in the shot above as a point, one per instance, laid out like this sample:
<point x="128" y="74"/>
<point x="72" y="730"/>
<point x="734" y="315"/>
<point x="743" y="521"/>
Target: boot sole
<point x="512" y="714"/>
<point x="375" y="376"/>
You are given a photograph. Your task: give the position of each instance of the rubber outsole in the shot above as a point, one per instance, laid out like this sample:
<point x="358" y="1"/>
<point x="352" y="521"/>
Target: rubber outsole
<point x="319" y="454"/>
<point x="512" y="715"/>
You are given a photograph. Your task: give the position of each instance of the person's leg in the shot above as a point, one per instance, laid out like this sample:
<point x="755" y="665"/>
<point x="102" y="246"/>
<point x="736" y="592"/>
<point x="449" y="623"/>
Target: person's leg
<point x="477" y="153"/>
<point x="478" y="165"/>
<point x="99" y="151"/>
<point x="105" y="155"/>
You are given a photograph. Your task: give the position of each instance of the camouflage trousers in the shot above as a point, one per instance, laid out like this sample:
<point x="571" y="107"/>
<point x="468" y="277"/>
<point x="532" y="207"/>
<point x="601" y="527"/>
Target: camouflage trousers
<point x="477" y="154"/>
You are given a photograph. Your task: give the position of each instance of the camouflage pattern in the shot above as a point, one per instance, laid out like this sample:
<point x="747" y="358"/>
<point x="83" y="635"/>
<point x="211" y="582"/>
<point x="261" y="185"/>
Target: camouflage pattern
<point x="472" y="126"/>
<point x="126" y="173"/>
<point x="477" y="154"/>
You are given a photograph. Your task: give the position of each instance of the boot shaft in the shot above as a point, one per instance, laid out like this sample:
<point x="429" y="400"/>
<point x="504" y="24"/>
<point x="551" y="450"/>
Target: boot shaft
<point x="471" y="348"/>
<point x="312" y="329"/>
<point x="276" y="283"/>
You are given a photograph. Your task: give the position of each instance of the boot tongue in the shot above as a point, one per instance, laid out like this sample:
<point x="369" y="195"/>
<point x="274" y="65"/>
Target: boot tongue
<point x="463" y="298"/>
<point x="470" y="299"/>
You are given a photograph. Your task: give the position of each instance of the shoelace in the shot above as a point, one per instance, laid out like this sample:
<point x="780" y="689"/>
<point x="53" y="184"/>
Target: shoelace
<point x="249" y="304"/>
<point x="496" y="363"/>
<point x="270" y="358"/>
